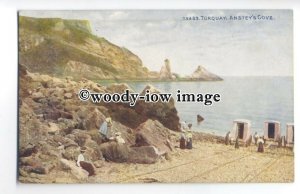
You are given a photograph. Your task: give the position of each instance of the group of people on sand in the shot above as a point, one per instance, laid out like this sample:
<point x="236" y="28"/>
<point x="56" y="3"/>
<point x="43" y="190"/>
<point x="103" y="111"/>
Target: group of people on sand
<point x="259" y="141"/>
<point x="106" y="132"/>
<point x="186" y="136"/>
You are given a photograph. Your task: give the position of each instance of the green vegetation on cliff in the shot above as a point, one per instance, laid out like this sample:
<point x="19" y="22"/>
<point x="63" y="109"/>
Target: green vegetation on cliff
<point x="61" y="47"/>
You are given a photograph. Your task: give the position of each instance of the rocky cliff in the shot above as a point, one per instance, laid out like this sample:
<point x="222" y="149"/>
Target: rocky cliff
<point x="60" y="48"/>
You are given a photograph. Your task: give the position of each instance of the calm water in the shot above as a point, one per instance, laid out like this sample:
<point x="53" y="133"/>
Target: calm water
<point x="254" y="98"/>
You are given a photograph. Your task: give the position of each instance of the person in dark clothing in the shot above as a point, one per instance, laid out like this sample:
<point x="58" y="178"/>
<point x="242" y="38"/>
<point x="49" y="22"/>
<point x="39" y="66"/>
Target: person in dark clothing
<point x="182" y="140"/>
<point x="236" y="145"/>
<point x="260" y="143"/>
<point x="227" y="138"/>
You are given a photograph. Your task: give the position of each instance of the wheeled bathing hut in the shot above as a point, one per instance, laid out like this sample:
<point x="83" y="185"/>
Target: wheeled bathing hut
<point x="272" y="130"/>
<point x="241" y="129"/>
<point x="290" y="134"/>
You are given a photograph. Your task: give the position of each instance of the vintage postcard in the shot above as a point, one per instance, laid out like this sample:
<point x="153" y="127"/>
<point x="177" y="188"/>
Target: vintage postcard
<point x="155" y="96"/>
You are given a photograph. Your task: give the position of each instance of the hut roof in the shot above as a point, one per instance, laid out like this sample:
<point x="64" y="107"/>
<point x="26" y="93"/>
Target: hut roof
<point x="241" y="121"/>
<point x="272" y="121"/>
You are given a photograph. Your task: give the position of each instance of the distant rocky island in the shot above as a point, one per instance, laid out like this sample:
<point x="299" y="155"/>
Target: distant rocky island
<point x="200" y="74"/>
<point x="62" y="48"/>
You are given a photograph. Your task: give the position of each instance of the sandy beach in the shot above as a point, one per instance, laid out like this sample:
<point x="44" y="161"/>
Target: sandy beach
<point x="207" y="162"/>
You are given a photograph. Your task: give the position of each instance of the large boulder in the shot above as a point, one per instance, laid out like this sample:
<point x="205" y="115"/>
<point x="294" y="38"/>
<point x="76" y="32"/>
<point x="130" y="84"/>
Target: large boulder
<point x="126" y="133"/>
<point x="165" y="113"/>
<point x="51" y="114"/>
<point x="50" y="148"/>
<point x="74" y="170"/>
<point x="35" y="165"/>
<point x="31" y="129"/>
<point x="144" y="155"/>
<point x="71" y="153"/>
<point x="53" y="128"/>
<point x="93" y="152"/>
<point x="121" y="153"/>
<point x="112" y="151"/>
<point x="67" y="125"/>
<point x="133" y="116"/>
<point x="96" y="136"/>
<point x="28" y="150"/>
<point x="36" y="96"/>
<point x="153" y="133"/>
<point x="80" y="137"/>
<point x="35" y="159"/>
<point x="62" y="140"/>
<point x="55" y="114"/>
<point x="91" y="118"/>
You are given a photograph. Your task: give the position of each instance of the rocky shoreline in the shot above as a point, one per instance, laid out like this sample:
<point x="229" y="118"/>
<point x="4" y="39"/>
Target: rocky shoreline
<point x="55" y="125"/>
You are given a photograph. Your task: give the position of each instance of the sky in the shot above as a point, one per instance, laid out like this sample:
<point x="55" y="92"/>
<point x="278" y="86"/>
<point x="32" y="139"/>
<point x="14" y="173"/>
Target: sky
<point x="226" y="48"/>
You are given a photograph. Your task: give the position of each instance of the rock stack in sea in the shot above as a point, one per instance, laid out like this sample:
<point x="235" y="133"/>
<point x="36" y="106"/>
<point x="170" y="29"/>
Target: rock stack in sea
<point x="165" y="71"/>
<point x="201" y="74"/>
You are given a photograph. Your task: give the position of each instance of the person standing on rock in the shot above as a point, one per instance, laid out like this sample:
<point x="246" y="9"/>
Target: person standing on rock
<point x="189" y="138"/>
<point x="105" y="128"/>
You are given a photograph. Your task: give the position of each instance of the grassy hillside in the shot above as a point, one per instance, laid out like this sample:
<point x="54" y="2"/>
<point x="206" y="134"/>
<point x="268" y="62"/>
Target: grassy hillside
<point x="68" y="48"/>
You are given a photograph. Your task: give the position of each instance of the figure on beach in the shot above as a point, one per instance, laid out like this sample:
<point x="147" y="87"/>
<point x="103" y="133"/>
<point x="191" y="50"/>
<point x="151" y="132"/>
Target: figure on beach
<point x="189" y="137"/>
<point x="281" y="142"/>
<point x="227" y="138"/>
<point x="183" y="126"/>
<point x="260" y="143"/>
<point x="236" y="145"/>
<point x="255" y="138"/>
<point x="105" y="129"/>
<point x="182" y="139"/>
<point x="249" y="141"/>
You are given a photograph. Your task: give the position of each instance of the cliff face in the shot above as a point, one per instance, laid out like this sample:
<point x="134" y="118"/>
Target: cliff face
<point x="202" y="74"/>
<point x="68" y="48"/>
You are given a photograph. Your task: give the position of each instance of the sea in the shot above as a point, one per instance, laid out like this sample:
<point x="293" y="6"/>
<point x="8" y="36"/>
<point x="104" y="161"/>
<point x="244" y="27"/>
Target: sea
<point x="253" y="98"/>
